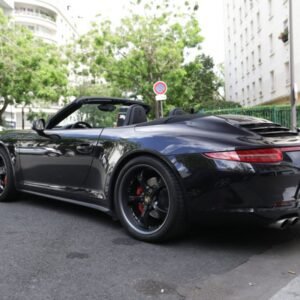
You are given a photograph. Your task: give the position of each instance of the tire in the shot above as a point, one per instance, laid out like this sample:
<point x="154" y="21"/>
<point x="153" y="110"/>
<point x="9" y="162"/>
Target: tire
<point x="149" y="200"/>
<point x="7" y="183"/>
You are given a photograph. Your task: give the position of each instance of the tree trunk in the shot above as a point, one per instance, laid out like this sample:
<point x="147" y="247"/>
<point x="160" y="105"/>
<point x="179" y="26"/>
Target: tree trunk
<point x="2" y="110"/>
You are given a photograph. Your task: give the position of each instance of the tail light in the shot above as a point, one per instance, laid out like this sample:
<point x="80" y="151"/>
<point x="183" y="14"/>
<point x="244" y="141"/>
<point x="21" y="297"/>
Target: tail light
<point x="268" y="155"/>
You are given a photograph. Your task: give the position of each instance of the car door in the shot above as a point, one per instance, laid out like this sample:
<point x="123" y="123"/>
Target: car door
<point x="58" y="164"/>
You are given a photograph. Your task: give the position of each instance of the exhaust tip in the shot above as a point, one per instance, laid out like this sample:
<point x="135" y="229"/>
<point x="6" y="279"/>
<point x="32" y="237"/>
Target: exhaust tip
<point x="284" y="223"/>
<point x="280" y="224"/>
<point x="293" y="221"/>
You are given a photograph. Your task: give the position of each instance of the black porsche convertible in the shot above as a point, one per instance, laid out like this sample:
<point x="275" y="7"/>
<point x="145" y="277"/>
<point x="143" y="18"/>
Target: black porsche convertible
<point x="156" y="176"/>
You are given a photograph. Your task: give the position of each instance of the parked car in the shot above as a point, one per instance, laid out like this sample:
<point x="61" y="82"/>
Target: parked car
<point x="156" y="176"/>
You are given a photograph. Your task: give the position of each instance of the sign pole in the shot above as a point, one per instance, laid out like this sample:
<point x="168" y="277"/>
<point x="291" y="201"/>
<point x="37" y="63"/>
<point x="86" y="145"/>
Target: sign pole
<point x="161" y="109"/>
<point x="160" y="88"/>
<point x="293" y="96"/>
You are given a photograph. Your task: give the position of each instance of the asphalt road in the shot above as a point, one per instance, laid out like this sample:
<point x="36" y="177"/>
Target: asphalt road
<point x="53" y="250"/>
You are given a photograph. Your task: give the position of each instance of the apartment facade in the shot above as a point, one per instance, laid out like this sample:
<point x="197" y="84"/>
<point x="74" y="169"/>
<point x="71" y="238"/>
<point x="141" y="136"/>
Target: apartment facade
<point x="7" y="6"/>
<point x="47" y="19"/>
<point x="257" y="66"/>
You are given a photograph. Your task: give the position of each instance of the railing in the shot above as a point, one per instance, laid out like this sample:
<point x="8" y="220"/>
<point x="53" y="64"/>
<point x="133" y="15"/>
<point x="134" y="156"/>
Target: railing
<point x="278" y="114"/>
<point x="35" y="14"/>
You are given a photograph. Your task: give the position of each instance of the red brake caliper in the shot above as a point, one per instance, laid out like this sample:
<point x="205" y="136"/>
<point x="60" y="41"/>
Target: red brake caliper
<point x="140" y="206"/>
<point x="4" y="181"/>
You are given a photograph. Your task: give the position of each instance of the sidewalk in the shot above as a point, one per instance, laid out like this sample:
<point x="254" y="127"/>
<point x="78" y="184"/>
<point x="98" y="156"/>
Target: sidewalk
<point x="274" y="274"/>
<point x="290" y="292"/>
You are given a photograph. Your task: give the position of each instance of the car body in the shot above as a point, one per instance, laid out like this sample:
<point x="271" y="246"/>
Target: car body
<point x="209" y="166"/>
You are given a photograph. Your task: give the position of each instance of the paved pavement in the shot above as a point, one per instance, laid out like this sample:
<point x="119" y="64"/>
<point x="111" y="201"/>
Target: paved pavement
<point x="53" y="250"/>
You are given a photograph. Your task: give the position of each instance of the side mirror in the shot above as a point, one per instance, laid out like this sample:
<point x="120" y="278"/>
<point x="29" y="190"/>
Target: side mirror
<point x="39" y="125"/>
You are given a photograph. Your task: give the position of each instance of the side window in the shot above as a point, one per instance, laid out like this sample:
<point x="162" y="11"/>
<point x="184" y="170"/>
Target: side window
<point x="91" y="114"/>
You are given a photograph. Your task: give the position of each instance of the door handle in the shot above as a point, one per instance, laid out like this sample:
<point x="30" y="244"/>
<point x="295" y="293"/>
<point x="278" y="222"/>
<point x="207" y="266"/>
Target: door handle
<point x="84" y="148"/>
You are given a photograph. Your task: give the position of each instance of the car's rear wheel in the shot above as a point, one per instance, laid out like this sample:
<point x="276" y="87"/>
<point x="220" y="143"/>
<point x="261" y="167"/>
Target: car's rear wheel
<point x="7" y="184"/>
<point x="149" y="200"/>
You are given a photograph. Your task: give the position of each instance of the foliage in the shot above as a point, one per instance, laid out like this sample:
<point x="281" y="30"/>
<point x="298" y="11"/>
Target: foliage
<point x="147" y="48"/>
<point x="98" y="118"/>
<point x="92" y="89"/>
<point x="34" y="115"/>
<point x="30" y="69"/>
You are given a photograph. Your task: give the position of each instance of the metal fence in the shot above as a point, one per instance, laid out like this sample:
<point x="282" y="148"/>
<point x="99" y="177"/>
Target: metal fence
<point x="278" y="114"/>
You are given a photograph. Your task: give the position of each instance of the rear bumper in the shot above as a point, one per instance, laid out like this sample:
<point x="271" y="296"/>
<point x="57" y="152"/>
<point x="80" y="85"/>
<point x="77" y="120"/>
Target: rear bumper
<point x="237" y="190"/>
<point x="251" y="216"/>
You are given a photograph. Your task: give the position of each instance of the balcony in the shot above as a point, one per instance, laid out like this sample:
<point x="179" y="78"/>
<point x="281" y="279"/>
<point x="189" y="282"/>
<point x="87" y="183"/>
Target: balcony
<point x="7" y="4"/>
<point x="24" y="12"/>
<point x="33" y="20"/>
<point x="49" y="38"/>
<point x="30" y="16"/>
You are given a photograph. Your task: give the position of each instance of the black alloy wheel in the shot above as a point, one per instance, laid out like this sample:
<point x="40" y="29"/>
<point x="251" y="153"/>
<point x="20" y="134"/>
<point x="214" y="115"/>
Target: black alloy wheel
<point x="149" y="200"/>
<point x="7" y="185"/>
<point x="3" y="176"/>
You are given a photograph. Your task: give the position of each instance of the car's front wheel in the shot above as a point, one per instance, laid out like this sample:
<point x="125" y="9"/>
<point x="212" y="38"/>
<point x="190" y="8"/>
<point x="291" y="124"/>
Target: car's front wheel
<point x="149" y="200"/>
<point x="7" y="184"/>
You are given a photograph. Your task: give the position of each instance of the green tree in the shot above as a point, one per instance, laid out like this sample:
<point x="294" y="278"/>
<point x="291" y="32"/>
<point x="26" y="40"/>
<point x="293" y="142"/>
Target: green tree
<point x="205" y="85"/>
<point x="34" y="115"/>
<point x="162" y="44"/>
<point x="141" y="51"/>
<point x="30" y="70"/>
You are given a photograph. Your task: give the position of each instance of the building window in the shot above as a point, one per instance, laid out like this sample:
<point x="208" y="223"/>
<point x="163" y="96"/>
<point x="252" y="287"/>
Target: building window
<point x="258" y="21"/>
<point x="246" y="35"/>
<point x="252" y="29"/>
<point x="242" y="68"/>
<point x="234" y="25"/>
<point x="248" y="93"/>
<point x="271" y="44"/>
<point x="252" y="60"/>
<point x="260" y="87"/>
<point x="242" y="42"/>
<point x="272" y="78"/>
<point x="259" y="54"/>
<point x="240" y="15"/>
<point x="236" y="75"/>
<point x="253" y="90"/>
<point x="284" y="35"/>
<point x="247" y="64"/>
<point x="270" y="8"/>
<point x="287" y="72"/>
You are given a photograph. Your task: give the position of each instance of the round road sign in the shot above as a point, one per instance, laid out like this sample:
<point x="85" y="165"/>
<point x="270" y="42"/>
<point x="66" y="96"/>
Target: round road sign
<point x="160" y="88"/>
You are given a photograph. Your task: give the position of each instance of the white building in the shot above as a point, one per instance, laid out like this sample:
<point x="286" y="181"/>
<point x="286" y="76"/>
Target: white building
<point x="256" y="60"/>
<point x="7" y="6"/>
<point x="48" y="20"/>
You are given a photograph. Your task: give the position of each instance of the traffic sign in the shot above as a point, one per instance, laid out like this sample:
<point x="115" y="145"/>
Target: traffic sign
<point x="160" y="97"/>
<point x="160" y="88"/>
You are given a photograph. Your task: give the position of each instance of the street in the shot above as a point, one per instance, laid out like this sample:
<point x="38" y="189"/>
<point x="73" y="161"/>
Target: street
<point x="54" y="250"/>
